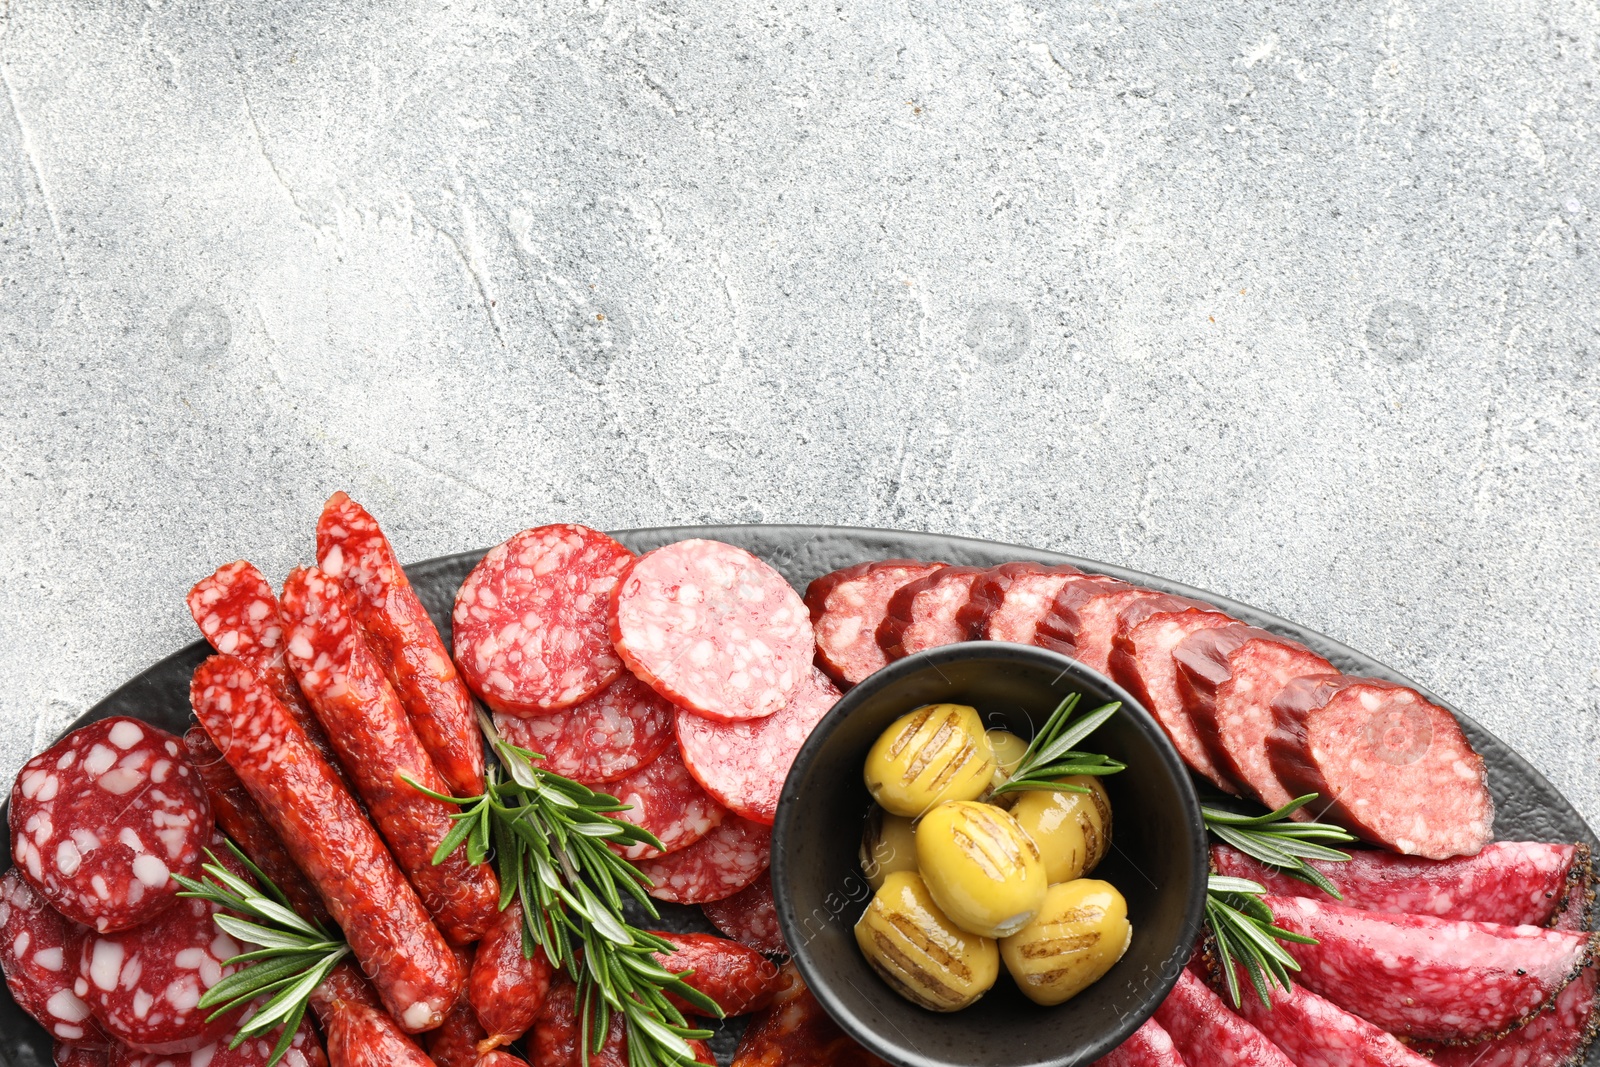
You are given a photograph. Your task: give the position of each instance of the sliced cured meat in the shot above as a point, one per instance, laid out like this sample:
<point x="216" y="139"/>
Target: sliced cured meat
<point x="1514" y="883"/>
<point x="304" y="1051"/>
<point x="1577" y="910"/>
<point x="328" y="835"/>
<point x="1229" y="677"/>
<point x="716" y="866"/>
<point x="358" y="1036"/>
<point x="237" y="611"/>
<point x="39" y="956"/>
<point x="507" y="986"/>
<point x="375" y="740"/>
<point x="737" y="979"/>
<point x="796" y="1032"/>
<point x="713" y="629"/>
<point x="1010" y="601"/>
<point x="455" y="1043"/>
<point x="664" y="798"/>
<point x="103" y="818"/>
<point x="1558" y="1038"/>
<point x="238" y="817"/>
<point x="65" y="1054"/>
<point x="743" y="764"/>
<point x="750" y="917"/>
<point x="1390" y="767"/>
<point x="613" y="733"/>
<point x="557" y="1037"/>
<point x="530" y="620"/>
<point x="1207" y="1034"/>
<point x="1437" y="979"/>
<point x="1317" y="1033"/>
<point x="1082" y="620"/>
<point x="1148" y="1046"/>
<point x="927" y="612"/>
<point x="144" y="984"/>
<point x="847" y="607"/>
<point x="353" y="550"/>
<point x="1141" y="662"/>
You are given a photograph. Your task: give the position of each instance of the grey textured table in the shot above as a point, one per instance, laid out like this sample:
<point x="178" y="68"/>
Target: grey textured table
<point x="1297" y="303"/>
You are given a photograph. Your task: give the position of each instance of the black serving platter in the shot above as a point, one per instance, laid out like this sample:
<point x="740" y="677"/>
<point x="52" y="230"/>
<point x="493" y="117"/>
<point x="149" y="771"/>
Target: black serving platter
<point x="1528" y="807"/>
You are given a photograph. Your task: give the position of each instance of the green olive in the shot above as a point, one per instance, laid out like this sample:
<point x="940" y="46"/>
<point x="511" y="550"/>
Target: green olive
<point x="1079" y="933"/>
<point x="981" y="868"/>
<point x="1072" y="830"/>
<point x="888" y="845"/>
<point x="917" y="949"/>
<point x="1008" y="751"/>
<point x="931" y="755"/>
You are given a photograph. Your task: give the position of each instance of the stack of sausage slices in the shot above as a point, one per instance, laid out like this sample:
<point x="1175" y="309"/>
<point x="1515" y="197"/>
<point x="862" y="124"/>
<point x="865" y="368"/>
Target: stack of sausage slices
<point x="1447" y="947"/>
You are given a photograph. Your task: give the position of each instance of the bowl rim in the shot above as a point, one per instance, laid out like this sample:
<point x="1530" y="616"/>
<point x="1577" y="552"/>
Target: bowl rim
<point x="789" y="814"/>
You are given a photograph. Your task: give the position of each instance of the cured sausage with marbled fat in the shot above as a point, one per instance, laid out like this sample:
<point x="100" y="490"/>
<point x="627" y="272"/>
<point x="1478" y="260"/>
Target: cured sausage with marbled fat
<point x="750" y="917"/>
<point x="664" y="798"/>
<point x="608" y="736"/>
<point x="1082" y="622"/>
<point x="1010" y="601"/>
<point x="558" y="1036"/>
<point x="720" y="864"/>
<point x="1318" y="1033"/>
<point x="1206" y="1033"/>
<point x="847" y="606"/>
<point x="304" y="1051"/>
<point x="359" y="1036"/>
<point x="1148" y="1046"/>
<point x="796" y="1032"/>
<point x="926" y="613"/>
<point x="39" y="952"/>
<point x="506" y="986"/>
<point x="737" y="979"/>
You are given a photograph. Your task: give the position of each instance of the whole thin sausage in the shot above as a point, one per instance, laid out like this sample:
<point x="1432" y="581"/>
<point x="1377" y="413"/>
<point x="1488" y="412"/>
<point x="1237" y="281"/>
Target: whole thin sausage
<point x="361" y="1037"/>
<point x="455" y="1043"/>
<point x="352" y="549"/>
<point x="506" y="988"/>
<point x="738" y="979"/>
<point x="346" y="687"/>
<point x="500" y="1059"/>
<point x="330" y="839"/>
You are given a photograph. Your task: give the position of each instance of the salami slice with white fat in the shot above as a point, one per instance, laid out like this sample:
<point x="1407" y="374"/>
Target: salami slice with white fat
<point x="101" y="819"/>
<point x="713" y="629"/>
<point x="743" y="764"/>
<point x="750" y="917"/>
<point x="1010" y="601"/>
<point x="304" y="1051"/>
<point x="39" y="957"/>
<point x="1148" y="1046"/>
<point x="847" y="606"/>
<point x="664" y="798"/>
<point x="530" y="620"/>
<point x="1082" y="621"/>
<point x="67" y="1054"/>
<point x="1558" y="1038"/>
<point x="1207" y="1033"/>
<point x="1318" y="1033"/>
<point x="1389" y="766"/>
<point x="927" y="612"/>
<point x="613" y="733"/>
<point x="1436" y="979"/>
<point x="720" y="864"/>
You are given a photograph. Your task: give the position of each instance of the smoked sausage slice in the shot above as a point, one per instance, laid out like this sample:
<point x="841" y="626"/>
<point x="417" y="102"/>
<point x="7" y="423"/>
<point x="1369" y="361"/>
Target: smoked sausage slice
<point x="1206" y="1032"/>
<point x="609" y="736"/>
<point x="926" y="613"/>
<point x="1010" y="601"/>
<point x="1148" y="1046"/>
<point x="750" y="917"/>
<point x="39" y="952"/>
<point x="847" y="606"/>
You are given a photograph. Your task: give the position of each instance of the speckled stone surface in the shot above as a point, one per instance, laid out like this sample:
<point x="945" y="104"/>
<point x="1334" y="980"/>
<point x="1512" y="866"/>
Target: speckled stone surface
<point x="1297" y="303"/>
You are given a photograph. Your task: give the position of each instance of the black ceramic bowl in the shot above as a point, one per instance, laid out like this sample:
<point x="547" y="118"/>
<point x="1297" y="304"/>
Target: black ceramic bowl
<point x="1157" y="860"/>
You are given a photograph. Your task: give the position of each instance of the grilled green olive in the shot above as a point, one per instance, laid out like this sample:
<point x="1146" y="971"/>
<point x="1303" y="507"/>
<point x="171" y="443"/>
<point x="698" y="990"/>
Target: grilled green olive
<point x="1072" y="830"/>
<point x="888" y="845"/>
<point x="924" y="956"/>
<point x="1008" y="751"/>
<point x="1081" y="930"/>
<point x="981" y="868"/>
<point x="931" y="755"/>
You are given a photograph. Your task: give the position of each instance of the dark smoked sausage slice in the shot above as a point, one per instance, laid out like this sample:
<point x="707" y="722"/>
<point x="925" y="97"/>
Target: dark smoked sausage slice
<point x="530" y="620"/>
<point x="720" y="864"/>
<point x="1082" y="622"/>
<point x="750" y="917"/>
<point x="664" y="798"/>
<point x="353" y="550"/>
<point x="101" y="819"/>
<point x="848" y="605"/>
<point x="1206" y="1032"/>
<point x="330" y="839"/>
<point x="927" y="612"/>
<point x="1010" y="601"/>
<point x="609" y="736"/>
<point x="39" y="956"/>
<point x="713" y="629"/>
<point x="737" y="979"/>
<point x="350" y="694"/>
<point x="1148" y="1046"/>
<point x="1390" y="766"/>
<point x="506" y="986"/>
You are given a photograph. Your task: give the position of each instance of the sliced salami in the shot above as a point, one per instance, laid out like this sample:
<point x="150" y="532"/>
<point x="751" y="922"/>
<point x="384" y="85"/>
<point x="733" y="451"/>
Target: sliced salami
<point x="1558" y="1038"/>
<point x="558" y="1037"/>
<point x="609" y="736"/>
<point x="1318" y="1033"/>
<point x="66" y="1054"/>
<point x="1390" y="766"/>
<point x="848" y="605"/>
<point x="1514" y="883"/>
<point x="359" y="1036"/>
<point x="750" y="917"/>
<point x="304" y="1051"/>
<point x="717" y="866"/>
<point x="1010" y="601"/>
<point x="738" y="979"/>
<point x="530" y="620"/>
<point x="713" y="629"/>
<point x="103" y="818"/>
<point x="1148" y="1046"/>
<point x="39" y="955"/>
<point x="796" y="1032"/>
<point x="664" y="798"/>
<point x="1229" y="677"/>
<point x="1082" y="620"/>
<point x="927" y="612"/>
<point x="1207" y="1034"/>
<point x="743" y="764"/>
<point x="506" y="987"/>
<point x="1436" y="979"/>
<point x="353" y="550"/>
<point x="1141" y="662"/>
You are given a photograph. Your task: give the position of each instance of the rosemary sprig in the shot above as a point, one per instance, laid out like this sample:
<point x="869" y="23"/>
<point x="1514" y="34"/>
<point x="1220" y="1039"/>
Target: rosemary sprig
<point x="1053" y="752"/>
<point x="294" y="955"/>
<point x="1242" y="926"/>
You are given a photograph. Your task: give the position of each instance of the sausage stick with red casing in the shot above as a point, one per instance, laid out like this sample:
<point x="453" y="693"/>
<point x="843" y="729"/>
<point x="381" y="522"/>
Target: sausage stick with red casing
<point x="347" y="689"/>
<point x="506" y="987"/>
<point x="358" y="1036"/>
<point x="390" y="933"/>
<point x="352" y="549"/>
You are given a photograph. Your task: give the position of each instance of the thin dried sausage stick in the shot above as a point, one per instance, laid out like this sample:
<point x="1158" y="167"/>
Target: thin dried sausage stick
<point x="358" y="1036"/>
<point x="506" y="987"/>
